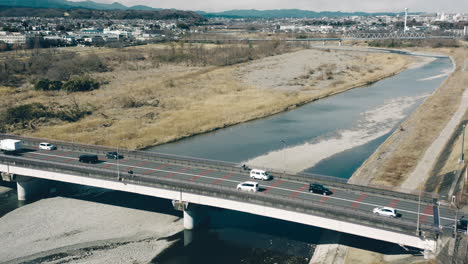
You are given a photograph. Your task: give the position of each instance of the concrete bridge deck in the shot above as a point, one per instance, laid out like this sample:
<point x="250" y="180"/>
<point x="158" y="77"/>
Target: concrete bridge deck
<point x="213" y="183"/>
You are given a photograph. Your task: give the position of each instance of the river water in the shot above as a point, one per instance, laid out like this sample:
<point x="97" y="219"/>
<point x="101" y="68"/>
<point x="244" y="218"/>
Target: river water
<point x="332" y="136"/>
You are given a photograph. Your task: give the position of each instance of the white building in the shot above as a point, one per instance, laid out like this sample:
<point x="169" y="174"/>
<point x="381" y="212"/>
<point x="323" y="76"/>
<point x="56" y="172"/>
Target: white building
<point x="12" y="38"/>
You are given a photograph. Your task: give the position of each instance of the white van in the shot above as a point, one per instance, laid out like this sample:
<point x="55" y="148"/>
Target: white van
<point x="249" y="186"/>
<point x="260" y="175"/>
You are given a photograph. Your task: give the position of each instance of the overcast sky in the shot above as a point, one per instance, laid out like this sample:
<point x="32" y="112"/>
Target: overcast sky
<point x="457" y="6"/>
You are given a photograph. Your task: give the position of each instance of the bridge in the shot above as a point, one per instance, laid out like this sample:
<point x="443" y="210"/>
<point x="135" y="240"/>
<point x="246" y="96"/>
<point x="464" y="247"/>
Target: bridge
<point x="192" y="182"/>
<point x="345" y="36"/>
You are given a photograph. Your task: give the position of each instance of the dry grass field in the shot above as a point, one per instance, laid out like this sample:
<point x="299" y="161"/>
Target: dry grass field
<point x="391" y="164"/>
<point x="143" y="103"/>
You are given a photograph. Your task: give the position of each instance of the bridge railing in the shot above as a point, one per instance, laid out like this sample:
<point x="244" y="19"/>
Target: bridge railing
<point x="266" y="199"/>
<point x="230" y="167"/>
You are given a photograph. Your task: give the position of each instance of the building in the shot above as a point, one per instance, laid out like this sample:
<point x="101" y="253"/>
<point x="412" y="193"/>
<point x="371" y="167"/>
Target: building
<point x="12" y="38"/>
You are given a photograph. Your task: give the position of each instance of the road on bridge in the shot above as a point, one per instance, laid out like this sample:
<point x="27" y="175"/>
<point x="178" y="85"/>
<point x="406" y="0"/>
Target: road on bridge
<point x="341" y="197"/>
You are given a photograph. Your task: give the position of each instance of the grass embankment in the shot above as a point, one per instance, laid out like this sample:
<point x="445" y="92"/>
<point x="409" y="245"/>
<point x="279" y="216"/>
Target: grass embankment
<point x="393" y="162"/>
<point x="145" y="103"/>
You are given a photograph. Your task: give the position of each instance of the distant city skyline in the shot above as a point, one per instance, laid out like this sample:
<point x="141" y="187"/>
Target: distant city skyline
<point x="456" y="6"/>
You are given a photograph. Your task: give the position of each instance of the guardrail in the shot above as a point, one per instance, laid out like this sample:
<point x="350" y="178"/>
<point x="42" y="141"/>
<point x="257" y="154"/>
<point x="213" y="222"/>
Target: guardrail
<point x="229" y="167"/>
<point x="292" y="204"/>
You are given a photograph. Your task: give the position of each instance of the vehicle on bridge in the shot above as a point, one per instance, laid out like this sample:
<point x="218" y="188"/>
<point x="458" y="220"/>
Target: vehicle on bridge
<point x="319" y="188"/>
<point x="385" y="211"/>
<point x="462" y="225"/>
<point x="87" y="158"/>
<point x="114" y="155"/>
<point x="249" y="186"/>
<point x="260" y="175"/>
<point x="10" y="145"/>
<point x="47" y="146"/>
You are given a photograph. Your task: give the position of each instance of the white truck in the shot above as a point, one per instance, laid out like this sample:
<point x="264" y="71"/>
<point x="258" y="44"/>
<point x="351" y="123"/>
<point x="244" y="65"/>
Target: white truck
<point x="10" y="145"/>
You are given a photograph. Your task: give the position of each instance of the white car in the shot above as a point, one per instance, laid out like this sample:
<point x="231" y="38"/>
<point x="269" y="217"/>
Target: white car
<point x="47" y="146"/>
<point x="248" y="186"/>
<point x="385" y="211"/>
<point x="260" y="175"/>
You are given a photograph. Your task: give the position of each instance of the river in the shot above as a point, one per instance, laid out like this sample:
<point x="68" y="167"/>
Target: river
<point x="332" y="136"/>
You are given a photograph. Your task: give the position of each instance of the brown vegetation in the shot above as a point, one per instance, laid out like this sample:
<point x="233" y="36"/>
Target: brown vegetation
<point x="159" y="93"/>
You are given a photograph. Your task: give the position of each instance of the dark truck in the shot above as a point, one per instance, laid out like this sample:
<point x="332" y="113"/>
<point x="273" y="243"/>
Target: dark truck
<point x="88" y="158"/>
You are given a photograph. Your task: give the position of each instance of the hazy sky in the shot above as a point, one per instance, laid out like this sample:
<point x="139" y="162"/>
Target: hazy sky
<point x="458" y="6"/>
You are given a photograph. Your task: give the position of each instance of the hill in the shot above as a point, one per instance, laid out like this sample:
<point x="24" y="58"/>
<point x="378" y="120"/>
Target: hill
<point x="83" y="13"/>
<point x="65" y="4"/>
<point x="286" y="13"/>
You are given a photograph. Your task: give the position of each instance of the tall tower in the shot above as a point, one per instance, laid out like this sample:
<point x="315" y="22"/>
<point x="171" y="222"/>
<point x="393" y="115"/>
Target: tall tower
<point x="406" y="18"/>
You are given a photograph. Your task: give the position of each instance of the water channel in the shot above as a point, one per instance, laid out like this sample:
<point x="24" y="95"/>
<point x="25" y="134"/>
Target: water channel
<point x="332" y="136"/>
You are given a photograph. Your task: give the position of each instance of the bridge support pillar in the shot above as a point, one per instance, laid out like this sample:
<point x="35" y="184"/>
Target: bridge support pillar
<point x="194" y="214"/>
<point x="190" y="219"/>
<point x="27" y="187"/>
<point x="188" y="237"/>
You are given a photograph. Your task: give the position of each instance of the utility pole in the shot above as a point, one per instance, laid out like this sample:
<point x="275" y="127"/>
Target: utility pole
<point x="118" y="169"/>
<point x="418" y="231"/>
<point x="284" y="158"/>
<point x="462" y="154"/>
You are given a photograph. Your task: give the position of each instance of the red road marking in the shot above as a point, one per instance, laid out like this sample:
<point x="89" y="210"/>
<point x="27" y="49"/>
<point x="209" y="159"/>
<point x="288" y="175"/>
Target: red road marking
<point x="110" y="164"/>
<point x="273" y="185"/>
<point x="393" y="203"/>
<point x="174" y="173"/>
<point x="201" y="174"/>
<point x="326" y="197"/>
<point x="139" y="164"/>
<point x="53" y="157"/>
<point x="299" y="191"/>
<point x="358" y="200"/>
<point x="107" y="165"/>
<point x="68" y="160"/>
<point x="32" y="154"/>
<point x="426" y="212"/>
<point x="160" y="167"/>
<point x="224" y="177"/>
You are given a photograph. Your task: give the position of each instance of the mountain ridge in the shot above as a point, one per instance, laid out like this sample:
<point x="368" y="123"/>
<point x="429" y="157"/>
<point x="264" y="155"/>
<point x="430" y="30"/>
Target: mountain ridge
<point x="236" y="13"/>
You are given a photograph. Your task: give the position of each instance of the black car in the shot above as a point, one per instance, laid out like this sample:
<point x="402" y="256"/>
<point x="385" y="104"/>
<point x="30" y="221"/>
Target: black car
<point x="319" y="188"/>
<point x="462" y="225"/>
<point x="114" y="155"/>
<point x="86" y="158"/>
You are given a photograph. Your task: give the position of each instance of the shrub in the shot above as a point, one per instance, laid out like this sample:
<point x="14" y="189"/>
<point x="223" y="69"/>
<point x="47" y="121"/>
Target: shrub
<point x="26" y="112"/>
<point x="47" y="85"/>
<point x="80" y="84"/>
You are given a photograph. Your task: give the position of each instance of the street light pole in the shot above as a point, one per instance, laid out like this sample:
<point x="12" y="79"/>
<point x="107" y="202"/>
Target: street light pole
<point x="462" y="155"/>
<point x="419" y="208"/>
<point x="284" y="158"/>
<point x="118" y="169"/>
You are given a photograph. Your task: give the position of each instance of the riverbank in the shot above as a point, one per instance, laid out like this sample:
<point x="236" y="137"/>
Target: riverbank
<point x="173" y="102"/>
<point x="394" y="161"/>
<point x="95" y="232"/>
<point x="416" y="146"/>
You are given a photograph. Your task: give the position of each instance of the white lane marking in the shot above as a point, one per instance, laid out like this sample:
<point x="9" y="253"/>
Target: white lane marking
<point x="279" y="188"/>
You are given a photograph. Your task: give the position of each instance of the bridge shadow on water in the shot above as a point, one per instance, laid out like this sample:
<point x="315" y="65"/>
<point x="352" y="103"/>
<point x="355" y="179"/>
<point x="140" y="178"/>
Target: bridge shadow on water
<point x="377" y="246"/>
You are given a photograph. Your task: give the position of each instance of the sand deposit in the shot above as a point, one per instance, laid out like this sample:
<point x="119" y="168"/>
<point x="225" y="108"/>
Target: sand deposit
<point x="86" y="232"/>
<point x="372" y="125"/>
